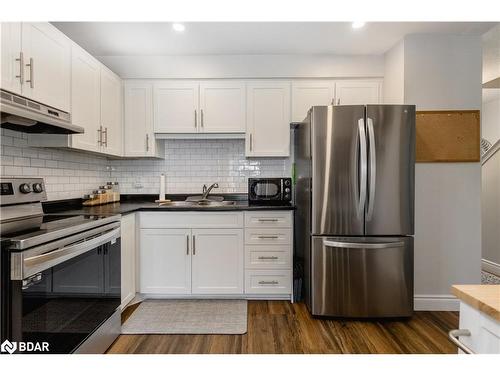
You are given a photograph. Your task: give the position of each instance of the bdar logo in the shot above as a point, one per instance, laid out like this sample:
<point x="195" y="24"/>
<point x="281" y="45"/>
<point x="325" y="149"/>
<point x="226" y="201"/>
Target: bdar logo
<point x="8" y="346"/>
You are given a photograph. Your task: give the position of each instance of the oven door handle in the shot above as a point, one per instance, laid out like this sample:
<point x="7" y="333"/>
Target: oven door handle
<point x="39" y="263"/>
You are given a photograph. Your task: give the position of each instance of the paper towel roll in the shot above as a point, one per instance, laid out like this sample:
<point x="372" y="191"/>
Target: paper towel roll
<point x="162" y="187"/>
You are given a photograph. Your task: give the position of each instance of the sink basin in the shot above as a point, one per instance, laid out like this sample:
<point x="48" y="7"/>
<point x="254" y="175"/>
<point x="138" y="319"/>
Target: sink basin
<point x="197" y="204"/>
<point x="198" y="198"/>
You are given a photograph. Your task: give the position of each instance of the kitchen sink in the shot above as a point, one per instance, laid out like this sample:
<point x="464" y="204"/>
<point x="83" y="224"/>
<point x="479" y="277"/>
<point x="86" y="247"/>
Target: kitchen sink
<point x="200" y="203"/>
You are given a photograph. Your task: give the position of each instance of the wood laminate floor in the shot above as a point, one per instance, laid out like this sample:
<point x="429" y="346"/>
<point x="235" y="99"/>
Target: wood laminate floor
<point x="276" y="327"/>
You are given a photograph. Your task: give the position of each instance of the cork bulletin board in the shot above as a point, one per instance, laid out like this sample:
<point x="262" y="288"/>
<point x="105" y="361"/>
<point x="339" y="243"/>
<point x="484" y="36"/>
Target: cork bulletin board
<point x="448" y="136"/>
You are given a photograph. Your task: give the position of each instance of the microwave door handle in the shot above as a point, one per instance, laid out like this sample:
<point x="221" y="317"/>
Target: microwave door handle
<point x="39" y="263"/>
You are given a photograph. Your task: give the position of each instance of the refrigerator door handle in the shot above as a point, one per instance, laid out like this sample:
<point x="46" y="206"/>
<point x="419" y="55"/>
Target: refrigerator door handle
<point x="373" y="169"/>
<point x="362" y="245"/>
<point x="362" y="165"/>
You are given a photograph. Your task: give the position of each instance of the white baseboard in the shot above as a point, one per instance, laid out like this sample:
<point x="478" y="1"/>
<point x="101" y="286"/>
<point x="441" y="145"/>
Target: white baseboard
<point x="491" y="267"/>
<point x="436" y="302"/>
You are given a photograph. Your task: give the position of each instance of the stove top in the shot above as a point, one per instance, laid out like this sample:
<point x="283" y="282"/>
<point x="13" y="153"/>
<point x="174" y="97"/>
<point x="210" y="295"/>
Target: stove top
<point x="50" y="227"/>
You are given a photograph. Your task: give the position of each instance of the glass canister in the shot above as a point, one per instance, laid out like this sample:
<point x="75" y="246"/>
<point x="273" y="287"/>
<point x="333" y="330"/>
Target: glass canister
<point x="115" y="189"/>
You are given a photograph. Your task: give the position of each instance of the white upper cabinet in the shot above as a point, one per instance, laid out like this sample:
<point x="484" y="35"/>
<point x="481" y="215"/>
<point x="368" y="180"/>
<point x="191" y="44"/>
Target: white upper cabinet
<point x="357" y="92"/>
<point x="111" y="112"/>
<point x="47" y="65"/>
<point x="268" y="118"/>
<point x="85" y="99"/>
<point x="306" y="94"/>
<point x="138" y="129"/>
<point x="176" y="107"/>
<point x="12" y="64"/>
<point x="222" y="107"/>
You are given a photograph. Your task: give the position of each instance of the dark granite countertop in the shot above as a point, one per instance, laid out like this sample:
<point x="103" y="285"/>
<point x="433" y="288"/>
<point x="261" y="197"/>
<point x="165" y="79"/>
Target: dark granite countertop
<point x="130" y="204"/>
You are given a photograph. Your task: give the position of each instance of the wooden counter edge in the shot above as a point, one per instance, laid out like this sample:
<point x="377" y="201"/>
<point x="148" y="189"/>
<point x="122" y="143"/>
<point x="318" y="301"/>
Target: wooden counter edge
<point x="466" y="294"/>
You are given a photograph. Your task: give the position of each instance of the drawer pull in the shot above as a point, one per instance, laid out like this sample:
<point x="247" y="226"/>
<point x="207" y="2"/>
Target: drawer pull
<point x="272" y="282"/>
<point x="454" y="334"/>
<point x="266" y="258"/>
<point x="268" y="237"/>
<point x="265" y="220"/>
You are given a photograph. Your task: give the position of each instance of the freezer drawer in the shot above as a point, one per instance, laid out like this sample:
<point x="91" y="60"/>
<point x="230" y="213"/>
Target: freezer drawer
<point x="363" y="277"/>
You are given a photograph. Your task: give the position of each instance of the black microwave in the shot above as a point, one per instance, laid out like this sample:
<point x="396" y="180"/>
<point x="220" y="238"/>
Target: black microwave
<point x="270" y="191"/>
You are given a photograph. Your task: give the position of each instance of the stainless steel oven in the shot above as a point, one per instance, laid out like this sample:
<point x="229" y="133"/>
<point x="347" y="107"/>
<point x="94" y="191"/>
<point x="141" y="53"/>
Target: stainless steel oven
<point x="276" y="191"/>
<point x="61" y="282"/>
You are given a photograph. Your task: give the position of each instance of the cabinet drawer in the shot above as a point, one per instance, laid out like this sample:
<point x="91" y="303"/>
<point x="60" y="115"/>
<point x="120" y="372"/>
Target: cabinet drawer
<point x="265" y="236"/>
<point x="268" y="282"/>
<point x="267" y="256"/>
<point x="268" y="219"/>
<point x="485" y="332"/>
<point x="191" y="220"/>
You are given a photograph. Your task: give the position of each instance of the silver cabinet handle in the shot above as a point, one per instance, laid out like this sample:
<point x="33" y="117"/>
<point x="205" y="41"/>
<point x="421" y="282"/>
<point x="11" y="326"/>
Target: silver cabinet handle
<point x="194" y="244"/>
<point x="251" y="142"/>
<point x="268" y="237"/>
<point x="32" y="79"/>
<point x="21" y="68"/>
<point x="267" y="258"/>
<point x="195" y="119"/>
<point x="273" y="282"/>
<point x="362" y="245"/>
<point x="147" y="142"/>
<point x="363" y="168"/>
<point x="373" y="169"/>
<point x="454" y="334"/>
<point x="201" y="112"/>
<point x="266" y="220"/>
<point x="99" y="136"/>
<point x="187" y="244"/>
<point x="105" y="133"/>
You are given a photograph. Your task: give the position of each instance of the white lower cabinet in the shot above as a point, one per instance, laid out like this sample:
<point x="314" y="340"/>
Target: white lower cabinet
<point x="128" y="256"/>
<point x="165" y="261"/>
<point x="205" y="253"/>
<point x="217" y="261"/>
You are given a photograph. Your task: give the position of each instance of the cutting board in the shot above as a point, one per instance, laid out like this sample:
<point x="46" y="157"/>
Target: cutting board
<point x="448" y="136"/>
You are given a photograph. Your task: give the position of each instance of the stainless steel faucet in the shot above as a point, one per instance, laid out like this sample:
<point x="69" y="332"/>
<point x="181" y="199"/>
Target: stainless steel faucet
<point x="207" y="191"/>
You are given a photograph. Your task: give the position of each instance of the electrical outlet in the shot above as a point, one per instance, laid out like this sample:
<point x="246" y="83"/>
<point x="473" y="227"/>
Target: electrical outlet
<point x="138" y="185"/>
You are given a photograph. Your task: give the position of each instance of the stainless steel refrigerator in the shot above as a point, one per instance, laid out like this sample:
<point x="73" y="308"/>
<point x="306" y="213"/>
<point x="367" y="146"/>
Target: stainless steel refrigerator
<point x="354" y="168"/>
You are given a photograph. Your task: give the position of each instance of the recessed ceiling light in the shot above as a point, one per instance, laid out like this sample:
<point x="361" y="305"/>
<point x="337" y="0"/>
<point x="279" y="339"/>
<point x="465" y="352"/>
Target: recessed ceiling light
<point x="358" y="25"/>
<point x="179" y="27"/>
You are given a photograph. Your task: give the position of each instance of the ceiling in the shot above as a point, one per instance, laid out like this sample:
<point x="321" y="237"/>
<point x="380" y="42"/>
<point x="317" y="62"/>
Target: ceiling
<point x="217" y="38"/>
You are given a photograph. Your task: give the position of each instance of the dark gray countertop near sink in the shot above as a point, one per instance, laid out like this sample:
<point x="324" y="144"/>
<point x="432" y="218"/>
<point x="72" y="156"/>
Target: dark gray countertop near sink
<point x="131" y="204"/>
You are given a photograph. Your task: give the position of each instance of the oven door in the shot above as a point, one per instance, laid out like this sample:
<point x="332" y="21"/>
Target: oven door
<point x="265" y="189"/>
<point x="66" y="294"/>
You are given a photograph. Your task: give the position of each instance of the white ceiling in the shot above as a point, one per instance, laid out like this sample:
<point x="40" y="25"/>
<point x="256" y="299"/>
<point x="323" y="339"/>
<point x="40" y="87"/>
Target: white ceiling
<point x="217" y="38"/>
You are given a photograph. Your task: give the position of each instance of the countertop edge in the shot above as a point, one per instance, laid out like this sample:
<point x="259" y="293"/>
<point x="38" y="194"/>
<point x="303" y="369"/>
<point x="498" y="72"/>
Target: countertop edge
<point x="467" y="295"/>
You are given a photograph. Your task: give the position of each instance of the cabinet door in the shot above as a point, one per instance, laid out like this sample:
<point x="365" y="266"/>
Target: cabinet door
<point x="165" y="261"/>
<point x="217" y="261"/>
<point x="85" y="99"/>
<point x="127" y="258"/>
<point x="11" y="64"/>
<point x="355" y="92"/>
<point x="176" y="107"/>
<point x="111" y="112"/>
<point x="138" y="128"/>
<point x="268" y="119"/>
<point x="222" y="107"/>
<point x="306" y="94"/>
<point x="47" y="60"/>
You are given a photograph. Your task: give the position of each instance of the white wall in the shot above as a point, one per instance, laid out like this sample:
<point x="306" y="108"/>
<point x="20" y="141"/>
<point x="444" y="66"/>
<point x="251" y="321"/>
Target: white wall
<point x="491" y="54"/>
<point x="490" y="115"/>
<point x="442" y="72"/>
<point x="245" y="66"/>
<point x="394" y="74"/>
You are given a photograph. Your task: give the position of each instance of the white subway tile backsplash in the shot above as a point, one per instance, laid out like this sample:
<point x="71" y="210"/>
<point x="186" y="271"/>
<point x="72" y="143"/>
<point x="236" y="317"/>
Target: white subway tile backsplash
<point x="188" y="164"/>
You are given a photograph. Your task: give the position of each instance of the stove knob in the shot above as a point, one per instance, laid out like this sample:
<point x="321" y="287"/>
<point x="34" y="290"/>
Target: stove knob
<point x="37" y="188"/>
<point x="25" y="188"/>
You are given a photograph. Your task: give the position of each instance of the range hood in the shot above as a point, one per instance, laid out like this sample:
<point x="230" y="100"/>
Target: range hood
<point x="25" y="115"/>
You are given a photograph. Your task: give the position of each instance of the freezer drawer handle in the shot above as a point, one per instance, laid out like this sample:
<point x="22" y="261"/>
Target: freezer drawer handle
<point x="363" y="245"/>
<point x="454" y="334"/>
